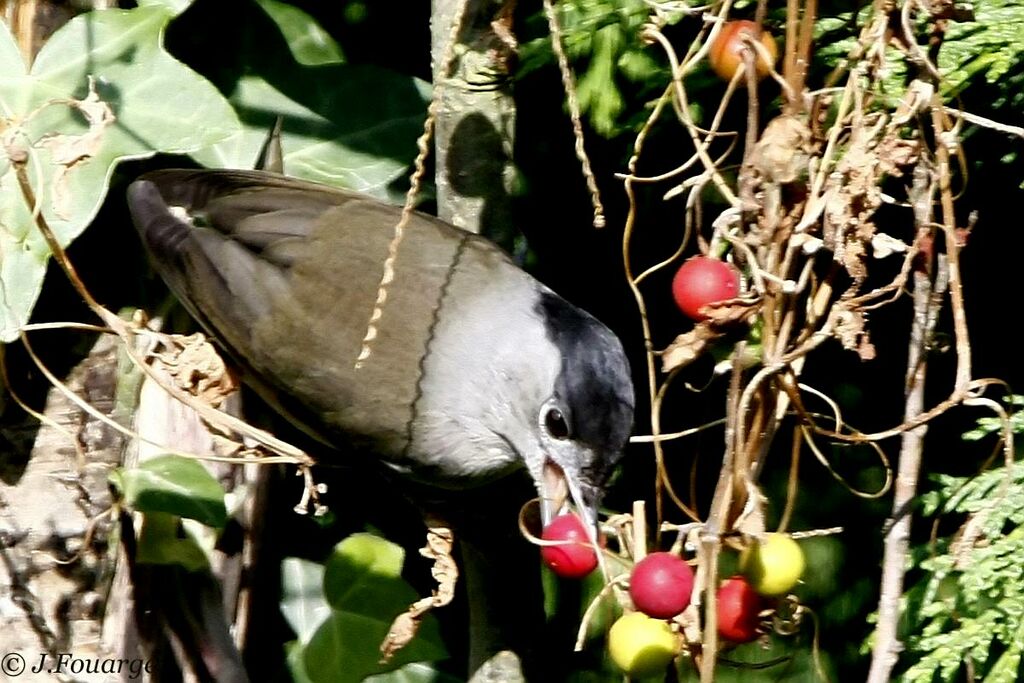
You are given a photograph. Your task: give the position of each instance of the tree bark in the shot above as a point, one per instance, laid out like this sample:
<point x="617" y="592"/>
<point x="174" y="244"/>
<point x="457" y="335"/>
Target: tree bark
<point x="887" y="647"/>
<point x="475" y="122"/>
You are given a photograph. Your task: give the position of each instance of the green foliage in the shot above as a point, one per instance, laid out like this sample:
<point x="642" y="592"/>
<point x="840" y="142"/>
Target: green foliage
<point x="836" y="37"/>
<point x="310" y="45"/>
<point x="602" y="41"/>
<point x="991" y="425"/>
<point x="353" y="126"/>
<point x="164" y="539"/>
<point x="991" y="46"/>
<point x="359" y="133"/>
<point x="174" y="485"/>
<point x="172" y="6"/>
<point x="101" y="90"/>
<point x="170" y="491"/>
<point x="302" y="596"/>
<point x="969" y="607"/>
<point x="342" y="611"/>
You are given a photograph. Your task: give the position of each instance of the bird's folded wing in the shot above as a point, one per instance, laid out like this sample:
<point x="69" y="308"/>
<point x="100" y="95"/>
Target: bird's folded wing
<point x="285" y="274"/>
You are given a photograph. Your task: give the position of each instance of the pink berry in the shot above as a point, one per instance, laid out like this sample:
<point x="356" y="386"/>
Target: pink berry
<point x="574" y="558"/>
<point x="660" y="585"/>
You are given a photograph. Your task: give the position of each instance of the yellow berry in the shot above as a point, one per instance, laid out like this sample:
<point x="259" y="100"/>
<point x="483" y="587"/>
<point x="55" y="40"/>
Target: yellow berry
<point x="773" y="565"/>
<point x="642" y="646"/>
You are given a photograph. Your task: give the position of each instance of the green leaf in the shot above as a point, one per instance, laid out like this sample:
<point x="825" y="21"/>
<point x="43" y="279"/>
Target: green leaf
<point x="363" y="584"/>
<point x="992" y="45"/>
<point x="295" y="654"/>
<point x="309" y="43"/>
<point x="416" y="672"/>
<point x="101" y="90"/>
<point x="349" y="126"/>
<point x="175" y="485"/>
<point x="361" y="567"/>
<point x="302" y="600"/>
<point x="969" y="606"/>
<point x="638" y="66"/>
<point x="174" y="6"/>
<point x="598" y="93"/>
<point x="160" y="542"/>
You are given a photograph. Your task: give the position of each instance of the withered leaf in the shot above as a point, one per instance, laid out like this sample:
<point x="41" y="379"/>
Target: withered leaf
<point x="688" y="347"/>
<point x="726" y="313"/>
<point x="781" y="154"/>
<point x="67" y="151"/>
<point x="853" y="334"/>
<point x="197" y="368"/>
<point x="440" y="541"/>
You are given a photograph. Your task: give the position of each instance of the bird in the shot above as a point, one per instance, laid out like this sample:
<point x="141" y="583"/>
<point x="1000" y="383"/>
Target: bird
<point x="477" y="369"/>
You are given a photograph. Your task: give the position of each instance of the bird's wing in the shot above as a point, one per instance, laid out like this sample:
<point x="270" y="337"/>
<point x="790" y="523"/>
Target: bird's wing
<point x="285" y="274"/>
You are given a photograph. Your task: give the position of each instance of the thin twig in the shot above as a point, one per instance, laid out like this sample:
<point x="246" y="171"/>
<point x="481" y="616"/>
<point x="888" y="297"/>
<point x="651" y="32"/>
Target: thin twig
<point x="420" y="166"/>
<point x="569" y="86"/>
<point x="985" y="122"/>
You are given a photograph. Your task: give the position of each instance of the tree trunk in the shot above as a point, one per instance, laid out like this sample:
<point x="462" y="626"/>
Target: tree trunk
<point x="475" y="115"/>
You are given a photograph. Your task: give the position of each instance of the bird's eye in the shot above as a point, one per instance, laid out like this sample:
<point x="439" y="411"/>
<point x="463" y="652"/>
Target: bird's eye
<point x="555" y="423"/>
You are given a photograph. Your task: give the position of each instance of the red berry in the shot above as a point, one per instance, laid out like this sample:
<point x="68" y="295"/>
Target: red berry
<point x="726" y="52"/>
<point x="702" y="281"/>
<point x="739" y="607"/>
<point x="575" y="557"/>
<point x="660" y="585"/>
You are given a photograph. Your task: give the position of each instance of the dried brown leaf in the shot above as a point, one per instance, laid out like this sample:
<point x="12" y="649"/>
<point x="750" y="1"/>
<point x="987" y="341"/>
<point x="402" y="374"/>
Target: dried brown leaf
<point x="197" y="368"/>
<point x="852" y="331"/>
<point x="403" y="629"/>
<point x="852" y="255"/>
<point x="440" y="541"/>
<point x="854" y="193"/>
<point x="68" y="151"/>
<point x="866" y="350"/>
<point x="896" y="153"/>
<point x="688" y="347"/>
<point x="726" y="313"/>
<point x="782" y="153"/>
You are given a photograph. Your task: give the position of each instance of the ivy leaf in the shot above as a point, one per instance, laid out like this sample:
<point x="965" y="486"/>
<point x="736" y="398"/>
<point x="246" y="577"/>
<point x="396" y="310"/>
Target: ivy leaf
<point x="160" y="543"/>
<point x="347" y="125"/>
<point x="101" y="90"/>
<point x="359" y="133"/>
<point x="302" y="601"/>
<point x="363" y="585"/>
<point x="417" y="672"/>
<point x="309" y="43"/>
<point x="173" y="6"/>
<point x="175" y="485"/>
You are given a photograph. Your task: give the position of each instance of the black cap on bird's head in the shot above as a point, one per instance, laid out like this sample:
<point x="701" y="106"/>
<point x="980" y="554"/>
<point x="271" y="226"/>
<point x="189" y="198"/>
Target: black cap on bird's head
<point x="586" y="423"/>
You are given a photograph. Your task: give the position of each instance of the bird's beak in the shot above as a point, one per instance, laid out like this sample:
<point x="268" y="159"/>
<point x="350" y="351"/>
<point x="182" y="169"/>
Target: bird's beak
<point x="555" y="493"/>
<point x="560" y="487"/>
